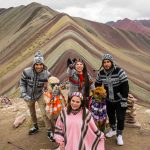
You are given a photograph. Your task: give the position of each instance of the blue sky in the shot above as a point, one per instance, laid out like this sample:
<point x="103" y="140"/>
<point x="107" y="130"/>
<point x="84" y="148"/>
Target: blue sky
<point x="95" y="10"/>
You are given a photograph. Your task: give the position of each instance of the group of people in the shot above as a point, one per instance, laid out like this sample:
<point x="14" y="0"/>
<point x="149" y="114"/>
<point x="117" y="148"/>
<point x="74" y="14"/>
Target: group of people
<point x="75" y="126"/>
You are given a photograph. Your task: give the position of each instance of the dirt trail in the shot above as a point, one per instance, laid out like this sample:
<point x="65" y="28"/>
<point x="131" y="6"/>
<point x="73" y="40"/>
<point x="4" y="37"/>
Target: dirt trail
<point x="15" y="139"/>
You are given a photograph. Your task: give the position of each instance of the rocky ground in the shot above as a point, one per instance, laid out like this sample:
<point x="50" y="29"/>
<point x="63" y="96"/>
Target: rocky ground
<point x="17" y="138"/>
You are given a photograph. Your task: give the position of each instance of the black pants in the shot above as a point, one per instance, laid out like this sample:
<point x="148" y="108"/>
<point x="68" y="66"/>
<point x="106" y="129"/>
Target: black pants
<point x="116" y="114"/>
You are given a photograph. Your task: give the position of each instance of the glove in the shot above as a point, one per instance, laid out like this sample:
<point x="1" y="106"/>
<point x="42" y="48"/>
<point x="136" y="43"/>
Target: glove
<point x="71" y="63"/>
<point x="74" y="60"/>
<point x="27" y="98"/>
<point x="124" y="103"/>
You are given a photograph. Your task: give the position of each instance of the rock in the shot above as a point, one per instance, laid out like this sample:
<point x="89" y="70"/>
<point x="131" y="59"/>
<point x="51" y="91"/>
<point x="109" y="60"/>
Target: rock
<point x="133" y="114"/>
<point x="5" y="102"/>
<point x="147" y="111"/>
<point x="19" y="120"/>
<point x="144" y="132"/>
<point x="130" y="95"/>
<point x="133" y="125"/>
<point x="15" y="108"/>
<point x="131" y="101"/>
<point x="131" y="121"/>
<point x="132" y="108"/>
<point x="130" y="118"/>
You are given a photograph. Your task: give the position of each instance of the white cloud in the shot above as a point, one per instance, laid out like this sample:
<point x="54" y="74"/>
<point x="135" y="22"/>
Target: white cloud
<point x="96" y="10"/>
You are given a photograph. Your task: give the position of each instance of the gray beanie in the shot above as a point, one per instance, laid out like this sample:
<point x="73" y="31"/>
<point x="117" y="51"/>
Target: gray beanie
<point x="38" y="58"/>
<point x="107" y="57"/>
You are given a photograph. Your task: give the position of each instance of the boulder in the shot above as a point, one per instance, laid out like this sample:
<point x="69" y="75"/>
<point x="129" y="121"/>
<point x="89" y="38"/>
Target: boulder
<point x="19" y="120"/>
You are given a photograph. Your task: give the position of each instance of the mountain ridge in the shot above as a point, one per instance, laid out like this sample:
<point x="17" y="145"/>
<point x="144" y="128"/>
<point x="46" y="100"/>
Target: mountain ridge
<point x="60" y="36"/>
<point x="137" y="26"/>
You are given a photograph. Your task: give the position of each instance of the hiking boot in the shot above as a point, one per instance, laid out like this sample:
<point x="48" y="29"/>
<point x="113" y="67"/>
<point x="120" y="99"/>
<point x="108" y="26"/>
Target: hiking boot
<point x="119" y="140"/>
<point x="50" y="135"/>
<point x="34" y="129"/>
<point x="110" y="133"/>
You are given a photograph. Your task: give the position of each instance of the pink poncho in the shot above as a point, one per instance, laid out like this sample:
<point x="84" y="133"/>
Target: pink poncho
<point x="76" y="134"/>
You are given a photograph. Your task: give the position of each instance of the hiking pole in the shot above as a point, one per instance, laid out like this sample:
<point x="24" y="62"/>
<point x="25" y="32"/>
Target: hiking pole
<point x="15" y="145"/>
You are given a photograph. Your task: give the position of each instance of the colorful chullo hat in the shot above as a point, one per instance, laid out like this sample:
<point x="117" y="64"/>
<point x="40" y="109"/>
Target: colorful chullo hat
<point x="77" y="94"/>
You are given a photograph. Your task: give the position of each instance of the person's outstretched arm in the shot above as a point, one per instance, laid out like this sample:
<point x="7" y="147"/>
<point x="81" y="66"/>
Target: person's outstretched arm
<point x="59" y="132"/>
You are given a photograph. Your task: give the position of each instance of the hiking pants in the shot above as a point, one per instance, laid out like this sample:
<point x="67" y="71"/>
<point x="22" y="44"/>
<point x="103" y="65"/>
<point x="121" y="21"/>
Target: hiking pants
<point x="42" y="105"/>
<point x="116" y="114"/>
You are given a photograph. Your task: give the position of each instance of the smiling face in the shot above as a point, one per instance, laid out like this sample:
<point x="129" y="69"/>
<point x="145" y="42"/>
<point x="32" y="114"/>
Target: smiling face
<point x="75" y="103"/>
<point x="107" y="64"/>
<point x="38" y="67"/>
<point x="79" y="67"/>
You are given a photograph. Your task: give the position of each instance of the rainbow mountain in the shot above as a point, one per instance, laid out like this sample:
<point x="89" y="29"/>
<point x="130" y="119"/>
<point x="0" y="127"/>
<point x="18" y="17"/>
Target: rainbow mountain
<point x="26" y="29"/>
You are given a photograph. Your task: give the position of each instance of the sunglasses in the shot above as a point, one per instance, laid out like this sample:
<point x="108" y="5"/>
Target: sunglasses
<point x="53" y="84"/>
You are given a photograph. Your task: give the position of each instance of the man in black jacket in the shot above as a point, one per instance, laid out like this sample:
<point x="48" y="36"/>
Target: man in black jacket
<point x="115" y="82"/>
<point x="32" y="83"/>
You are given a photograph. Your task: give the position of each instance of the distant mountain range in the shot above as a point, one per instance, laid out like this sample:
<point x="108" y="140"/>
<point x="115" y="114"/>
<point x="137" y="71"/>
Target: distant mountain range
<point x="26" y="29"/>
<point x="137" y="26"/>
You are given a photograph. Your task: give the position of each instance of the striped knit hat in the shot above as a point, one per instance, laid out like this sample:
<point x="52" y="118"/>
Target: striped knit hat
<point x="77" y="94"/>
<point x="38" y="58"/>
<point x="107" y="57"/>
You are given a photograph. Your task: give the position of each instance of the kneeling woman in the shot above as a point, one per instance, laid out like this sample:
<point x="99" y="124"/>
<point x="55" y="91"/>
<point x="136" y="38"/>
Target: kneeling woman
<point x="75" y="127"/>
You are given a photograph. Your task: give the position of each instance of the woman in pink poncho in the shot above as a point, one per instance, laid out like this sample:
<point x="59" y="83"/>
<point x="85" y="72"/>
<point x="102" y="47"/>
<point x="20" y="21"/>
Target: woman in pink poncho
<point x="75" y="127"/>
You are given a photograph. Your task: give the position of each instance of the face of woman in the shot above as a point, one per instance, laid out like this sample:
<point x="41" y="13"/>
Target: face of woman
<point x="75" y="102"/>
<point x="79" y="67"/>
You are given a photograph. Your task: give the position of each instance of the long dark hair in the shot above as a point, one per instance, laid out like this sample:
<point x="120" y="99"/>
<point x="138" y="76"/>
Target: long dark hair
<point x="87" y="82"/>
<point x="69" y="108"/>
<point x="86" y="79"/>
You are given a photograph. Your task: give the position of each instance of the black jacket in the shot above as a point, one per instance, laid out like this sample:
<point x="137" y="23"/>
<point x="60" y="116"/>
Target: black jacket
<point x="115" y="82"/>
